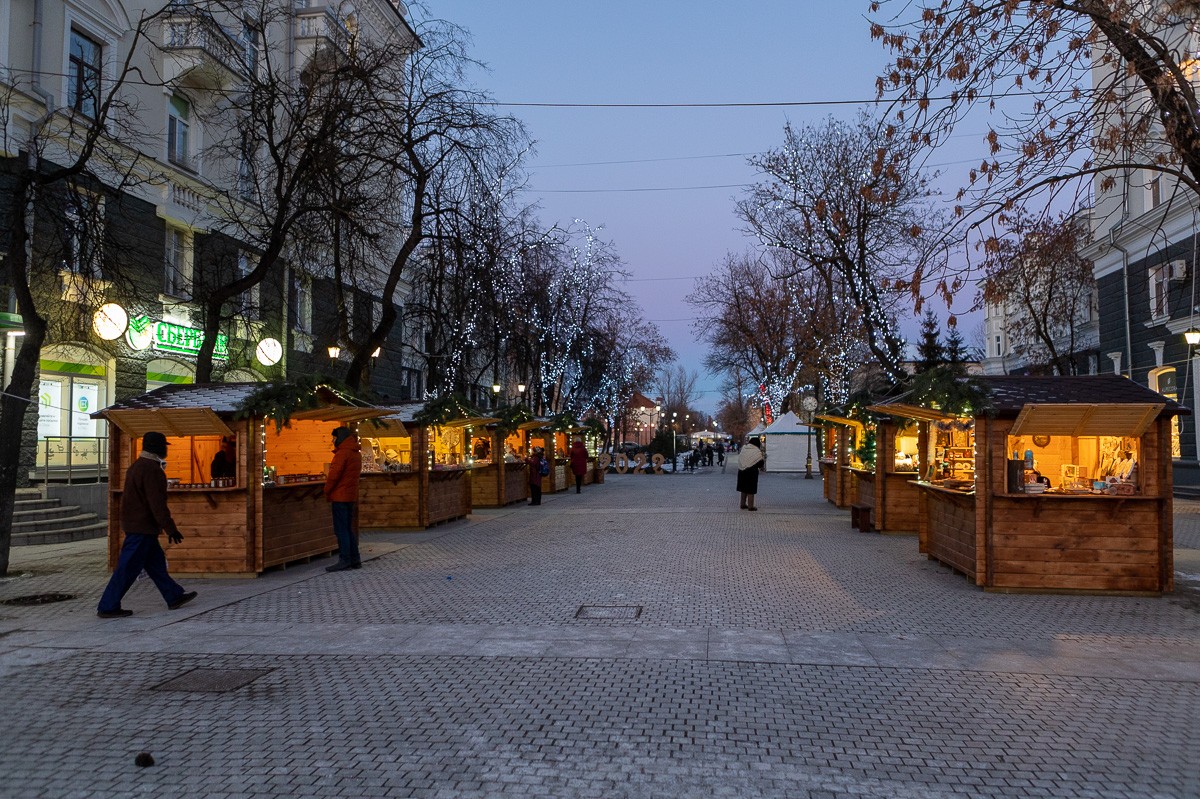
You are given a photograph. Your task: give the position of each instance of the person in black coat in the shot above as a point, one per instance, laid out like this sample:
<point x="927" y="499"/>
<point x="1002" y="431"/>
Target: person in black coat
<point x="224" y="463"/>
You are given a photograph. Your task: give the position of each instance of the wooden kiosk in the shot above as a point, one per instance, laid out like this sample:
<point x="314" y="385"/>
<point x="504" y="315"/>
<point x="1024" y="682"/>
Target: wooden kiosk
<point x="433" y="482"/>
<point x="271" y="513"/>
<point x="501" y="478"/>
<point x="890" y="489"/>
<point x="840" y="435"/>
<point x="1085" y="504"/>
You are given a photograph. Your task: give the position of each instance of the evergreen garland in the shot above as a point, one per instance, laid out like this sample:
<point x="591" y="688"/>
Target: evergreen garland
<point x="511" y="417"/>
<point x="441" y="411"/>
<point x="278" y="400"/>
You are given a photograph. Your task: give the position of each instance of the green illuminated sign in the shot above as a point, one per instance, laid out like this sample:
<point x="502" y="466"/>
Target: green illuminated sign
<point x="145" y="332"/>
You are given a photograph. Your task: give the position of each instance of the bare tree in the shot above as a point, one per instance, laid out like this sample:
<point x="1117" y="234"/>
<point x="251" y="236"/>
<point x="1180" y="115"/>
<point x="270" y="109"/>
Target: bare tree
<point x="72" y="164"/>
<point x="849" y="203"/>
<point x="295" y="147"/>
<point x="1075" y="91"/>
<point x="1038" y="275"/>
<point x="789" y="332"/>
<point x="436" y="127"/>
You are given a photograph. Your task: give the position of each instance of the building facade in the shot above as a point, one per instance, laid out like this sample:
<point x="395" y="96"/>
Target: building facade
<point x="115" y="259"/>
<point x="1144" y="251"/>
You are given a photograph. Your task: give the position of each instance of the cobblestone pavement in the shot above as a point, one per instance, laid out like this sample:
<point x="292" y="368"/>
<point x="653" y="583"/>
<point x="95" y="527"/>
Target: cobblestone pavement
<point x="643" y="639"/>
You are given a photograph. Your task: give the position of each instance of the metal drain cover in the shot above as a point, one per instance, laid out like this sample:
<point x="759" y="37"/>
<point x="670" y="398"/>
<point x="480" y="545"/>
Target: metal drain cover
<point x="214" y="681"/>
<point x="621" y="612"/>
<point x="37" y="599"/>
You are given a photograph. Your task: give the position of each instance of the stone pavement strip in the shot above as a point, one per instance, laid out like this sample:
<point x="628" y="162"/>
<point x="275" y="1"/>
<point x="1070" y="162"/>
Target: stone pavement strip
<point x="642" y="639"/>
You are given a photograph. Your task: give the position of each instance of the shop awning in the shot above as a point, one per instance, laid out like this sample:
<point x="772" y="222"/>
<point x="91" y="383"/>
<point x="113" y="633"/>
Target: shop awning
<point x="168" y="421"/>
<point x="533" y="424"/>
<point x="1078" y="419"/>
<point x="840" y="420"/>
<point x="911" y="412"/>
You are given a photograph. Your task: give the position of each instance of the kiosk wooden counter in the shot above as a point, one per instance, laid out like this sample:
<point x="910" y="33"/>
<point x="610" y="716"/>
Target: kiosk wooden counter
<point x="1064" y="484"/>
<point x="273" y="510"/>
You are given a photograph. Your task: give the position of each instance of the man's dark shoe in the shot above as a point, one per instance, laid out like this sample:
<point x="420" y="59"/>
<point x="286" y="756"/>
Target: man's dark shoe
<point x="355" y="565"/>
<point x="338" y="567"/>
<point x="119" y="613"/>
<point x="183" y="600"/>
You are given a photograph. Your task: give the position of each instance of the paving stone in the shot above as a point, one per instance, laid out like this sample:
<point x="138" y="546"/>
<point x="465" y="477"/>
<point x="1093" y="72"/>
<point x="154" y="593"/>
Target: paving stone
<point x="777" y="653"/>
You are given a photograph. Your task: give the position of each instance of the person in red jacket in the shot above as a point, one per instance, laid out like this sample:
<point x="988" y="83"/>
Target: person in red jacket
<point x="341" y="489"/>
<point x="536" y="461"/>
<point x="144" y="514"/>
<point x="579" y="463"/>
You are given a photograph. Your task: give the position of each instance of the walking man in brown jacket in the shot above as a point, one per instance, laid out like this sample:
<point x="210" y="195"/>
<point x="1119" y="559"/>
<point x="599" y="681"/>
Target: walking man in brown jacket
<point x="144" y="514"/>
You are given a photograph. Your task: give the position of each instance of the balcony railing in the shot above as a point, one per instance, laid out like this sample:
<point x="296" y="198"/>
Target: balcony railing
<point x="202" y="45"/>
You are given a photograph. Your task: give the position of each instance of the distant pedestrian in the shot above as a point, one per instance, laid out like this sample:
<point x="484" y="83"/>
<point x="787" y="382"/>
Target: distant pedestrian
<point x="144" y="514"/>
<point x="720" y="448"/>
<point x="751" y="461"/>
<point x="341" y="489"/>
<point x="579" y="463"/>
<point x="539" y="467"/>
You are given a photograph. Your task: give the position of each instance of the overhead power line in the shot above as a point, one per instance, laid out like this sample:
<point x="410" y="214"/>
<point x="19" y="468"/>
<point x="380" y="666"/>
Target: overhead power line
<point x="768" y="104"/>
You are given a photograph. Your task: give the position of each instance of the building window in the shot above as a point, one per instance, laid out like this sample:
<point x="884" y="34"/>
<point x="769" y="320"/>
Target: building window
<point x="1159" y="285"/>
<point x="1164" y="382"/>
<point x="178" y="267"/>
<point x="1153" y="190"/>
<point x="83" y="235"/>
<point x="245" y="176"/>
<point x="179" y="122"/>
<point x="249" y="41"/>
<point x="998" y="352"/>
<point x="251" y="306"/>
<point x="301" y="308"/>
<point x="83" y="74"/>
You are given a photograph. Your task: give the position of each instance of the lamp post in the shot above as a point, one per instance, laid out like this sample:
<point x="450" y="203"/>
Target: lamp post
<point x="674" y="416"/>
<point x="1192" y="337"/>
<point x="809" y="404"/>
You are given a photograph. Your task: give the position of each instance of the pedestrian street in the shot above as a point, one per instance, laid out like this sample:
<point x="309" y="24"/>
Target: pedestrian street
<point x="644" y="638"/>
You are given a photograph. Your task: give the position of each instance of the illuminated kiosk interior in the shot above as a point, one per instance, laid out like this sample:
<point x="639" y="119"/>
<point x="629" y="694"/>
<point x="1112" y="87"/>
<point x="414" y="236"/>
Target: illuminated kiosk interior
<point x="842" y="435"/>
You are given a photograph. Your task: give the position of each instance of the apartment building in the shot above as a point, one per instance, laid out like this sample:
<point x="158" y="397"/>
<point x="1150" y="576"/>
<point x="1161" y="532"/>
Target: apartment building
<point x="116" y="258"/>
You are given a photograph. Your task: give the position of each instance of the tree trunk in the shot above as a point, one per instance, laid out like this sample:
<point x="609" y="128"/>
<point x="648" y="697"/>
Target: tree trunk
<point x="19" y="393"/>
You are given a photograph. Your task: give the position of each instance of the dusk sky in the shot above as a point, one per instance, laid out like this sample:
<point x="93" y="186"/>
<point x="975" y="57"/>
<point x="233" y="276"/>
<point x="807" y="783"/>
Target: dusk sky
<point x="663" y="181"/>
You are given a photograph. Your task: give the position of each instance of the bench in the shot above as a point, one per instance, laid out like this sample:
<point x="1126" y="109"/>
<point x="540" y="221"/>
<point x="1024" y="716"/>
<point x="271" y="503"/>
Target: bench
<point x="860" y="517"/>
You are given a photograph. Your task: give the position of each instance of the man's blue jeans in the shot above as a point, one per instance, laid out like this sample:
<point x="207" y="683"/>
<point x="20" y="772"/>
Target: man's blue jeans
<point x="343" y="516"/>
<point x="137" y="553"/>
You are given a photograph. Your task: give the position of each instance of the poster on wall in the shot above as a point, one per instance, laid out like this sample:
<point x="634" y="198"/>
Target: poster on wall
<point x="85" y="399"/>
<point x="50" y="408"/>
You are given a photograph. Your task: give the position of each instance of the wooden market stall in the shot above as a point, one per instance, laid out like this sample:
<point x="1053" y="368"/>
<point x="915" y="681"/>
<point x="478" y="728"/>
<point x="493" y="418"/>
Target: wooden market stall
<point x="273" y="510"/>
<point x="433" y="482"/>
<point x="893" y="496"/>
<point x="841" y="434"/>
<point x="499" y="475"/>
<point x="1064" y="484"/>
